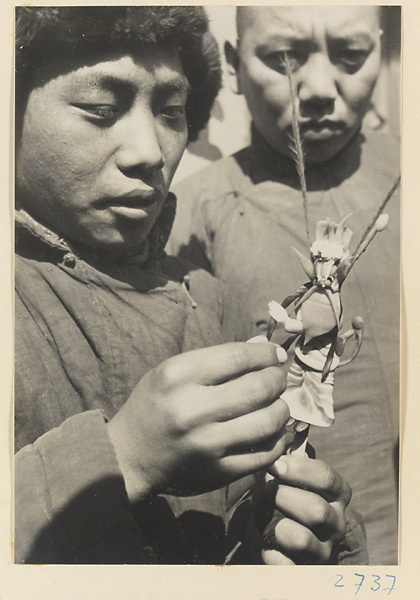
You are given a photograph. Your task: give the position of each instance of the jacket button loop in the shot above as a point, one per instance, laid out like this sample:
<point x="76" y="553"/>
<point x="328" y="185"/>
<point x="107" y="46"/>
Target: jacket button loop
<point x="69" y="260"/>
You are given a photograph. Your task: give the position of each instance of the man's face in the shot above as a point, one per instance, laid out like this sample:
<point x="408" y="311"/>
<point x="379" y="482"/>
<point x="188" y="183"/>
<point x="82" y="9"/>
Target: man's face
<point x="334" y="54"/>
<point x="100" y="145"/>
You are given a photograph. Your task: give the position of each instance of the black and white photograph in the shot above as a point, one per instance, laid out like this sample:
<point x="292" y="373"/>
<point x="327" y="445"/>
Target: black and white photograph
<point x="207" y="323"/>
<point x="207" y="369"/>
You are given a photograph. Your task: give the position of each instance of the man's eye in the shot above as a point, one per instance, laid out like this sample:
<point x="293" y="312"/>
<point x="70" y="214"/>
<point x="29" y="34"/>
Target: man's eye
<point x="99" y="112"/>
<point x="352" y="60"/>
<point x="173" y="112"/>
<point x="283" y="58"/>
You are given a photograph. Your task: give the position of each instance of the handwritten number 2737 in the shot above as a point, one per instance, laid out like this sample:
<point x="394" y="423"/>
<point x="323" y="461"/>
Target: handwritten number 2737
<point x="364" y="581"/>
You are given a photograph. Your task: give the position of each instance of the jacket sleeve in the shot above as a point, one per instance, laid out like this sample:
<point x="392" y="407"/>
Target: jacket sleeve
<point x="353" y="548"/>
<point x="70" y="500"/>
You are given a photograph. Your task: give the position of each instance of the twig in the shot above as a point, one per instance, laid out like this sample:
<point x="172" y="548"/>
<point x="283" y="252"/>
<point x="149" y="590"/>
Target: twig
<point x="378" y="213"/>
<point x="296" y="144"/>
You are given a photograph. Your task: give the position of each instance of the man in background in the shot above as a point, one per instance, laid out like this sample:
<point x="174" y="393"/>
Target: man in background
<point x="241" y="217"/>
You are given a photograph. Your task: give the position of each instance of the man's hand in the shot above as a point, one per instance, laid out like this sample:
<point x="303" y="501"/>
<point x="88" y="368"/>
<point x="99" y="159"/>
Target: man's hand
<point x="313" y="497"/>
<point x="202" y="419"/>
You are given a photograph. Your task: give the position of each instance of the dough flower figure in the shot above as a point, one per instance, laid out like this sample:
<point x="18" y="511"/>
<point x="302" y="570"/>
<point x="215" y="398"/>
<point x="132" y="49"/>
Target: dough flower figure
<point x="318" y="319"/>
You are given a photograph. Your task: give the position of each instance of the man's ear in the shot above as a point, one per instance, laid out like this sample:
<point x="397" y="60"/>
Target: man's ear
<point x="233" y="60"/>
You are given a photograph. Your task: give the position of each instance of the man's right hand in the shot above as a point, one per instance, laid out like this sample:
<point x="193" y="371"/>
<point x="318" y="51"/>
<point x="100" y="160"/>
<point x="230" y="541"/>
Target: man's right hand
<point x="201" y="420"/>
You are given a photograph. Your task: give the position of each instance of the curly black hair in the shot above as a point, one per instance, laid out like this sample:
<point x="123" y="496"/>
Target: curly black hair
<point x="56" y="33"/>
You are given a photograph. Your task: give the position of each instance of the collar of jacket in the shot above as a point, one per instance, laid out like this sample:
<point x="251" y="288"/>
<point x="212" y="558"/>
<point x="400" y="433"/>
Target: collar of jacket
<point x="35" y="240"/>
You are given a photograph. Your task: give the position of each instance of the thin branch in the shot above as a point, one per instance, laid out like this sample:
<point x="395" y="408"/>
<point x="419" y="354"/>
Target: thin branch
<point x="377" y="214"/>
<point x="296" y="145"/>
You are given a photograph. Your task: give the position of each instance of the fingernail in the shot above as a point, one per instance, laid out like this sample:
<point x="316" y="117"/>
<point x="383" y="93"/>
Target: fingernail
<point x="281" y="355"/>
<point x="280" y="467"/>
<point x="256" y="339"/>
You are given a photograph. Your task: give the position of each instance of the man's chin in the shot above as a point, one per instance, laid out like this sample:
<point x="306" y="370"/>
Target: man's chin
<point x="318" y="146"/>
<point x="320" y="151"/>
<point x="112" y="248"/>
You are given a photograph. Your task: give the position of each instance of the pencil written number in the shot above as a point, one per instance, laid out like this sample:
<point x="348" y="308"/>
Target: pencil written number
<point x="371" y="582"/>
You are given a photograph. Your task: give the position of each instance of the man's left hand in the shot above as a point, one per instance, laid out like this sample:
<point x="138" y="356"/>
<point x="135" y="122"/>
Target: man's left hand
<point x="313" y="497"/>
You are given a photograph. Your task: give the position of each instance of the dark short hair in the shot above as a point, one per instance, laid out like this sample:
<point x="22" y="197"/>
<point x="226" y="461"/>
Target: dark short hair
<point x="47" y="34"/>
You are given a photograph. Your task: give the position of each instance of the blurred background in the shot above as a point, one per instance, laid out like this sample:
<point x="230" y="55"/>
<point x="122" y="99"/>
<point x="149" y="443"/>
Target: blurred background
<point x="228" y="129"/>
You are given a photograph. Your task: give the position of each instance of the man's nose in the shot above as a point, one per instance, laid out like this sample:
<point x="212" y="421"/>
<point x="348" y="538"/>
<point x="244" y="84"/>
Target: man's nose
<point x="140" y="148"/>
<point x="317" y="83"/>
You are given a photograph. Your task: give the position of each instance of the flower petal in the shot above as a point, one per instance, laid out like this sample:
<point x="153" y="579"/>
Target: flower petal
<point x="277" y="312"/>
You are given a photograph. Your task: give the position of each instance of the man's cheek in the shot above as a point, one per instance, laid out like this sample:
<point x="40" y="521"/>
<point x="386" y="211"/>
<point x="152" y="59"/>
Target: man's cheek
<point x="359" y="88"/>
<point x="371" y="68"/>
<point x="357" y="97"/>
<point x="175" y="152"/>
<point x="258" y="76"/>
<point x="275" y="96"/>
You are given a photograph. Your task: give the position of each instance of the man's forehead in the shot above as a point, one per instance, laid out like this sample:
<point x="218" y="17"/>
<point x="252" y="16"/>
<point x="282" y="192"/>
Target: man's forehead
<point x="302" y="20"/>
<point x="114" y="68"/>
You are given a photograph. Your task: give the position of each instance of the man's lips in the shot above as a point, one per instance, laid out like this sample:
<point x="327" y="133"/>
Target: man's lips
<point x="321" y="130"/>
<point x="134" y="206"/>
<point x="314" y="125"/>
<point x="136" y="200"/>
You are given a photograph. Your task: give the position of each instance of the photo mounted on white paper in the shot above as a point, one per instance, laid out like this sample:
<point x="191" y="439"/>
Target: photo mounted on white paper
<point x="207" y="305"/>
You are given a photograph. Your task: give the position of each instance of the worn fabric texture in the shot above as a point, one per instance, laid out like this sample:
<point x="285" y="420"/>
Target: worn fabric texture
<point x="86" y="333"/>
<point x="241" y="217"/>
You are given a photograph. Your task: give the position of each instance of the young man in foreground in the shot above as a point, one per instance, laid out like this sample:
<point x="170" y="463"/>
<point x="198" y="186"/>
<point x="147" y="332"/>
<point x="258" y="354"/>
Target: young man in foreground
<point x="125" y="445"/>
<point x="241" y="217"/>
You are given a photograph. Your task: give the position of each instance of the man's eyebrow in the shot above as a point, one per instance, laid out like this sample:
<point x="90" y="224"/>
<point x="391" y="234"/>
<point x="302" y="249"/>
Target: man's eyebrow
<point x="358" y="37"/>
<point x="280" y="37"/>
<point x="178" y="84"/>
<point x="283" y="41"/>
<point x="114" y="82"/>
